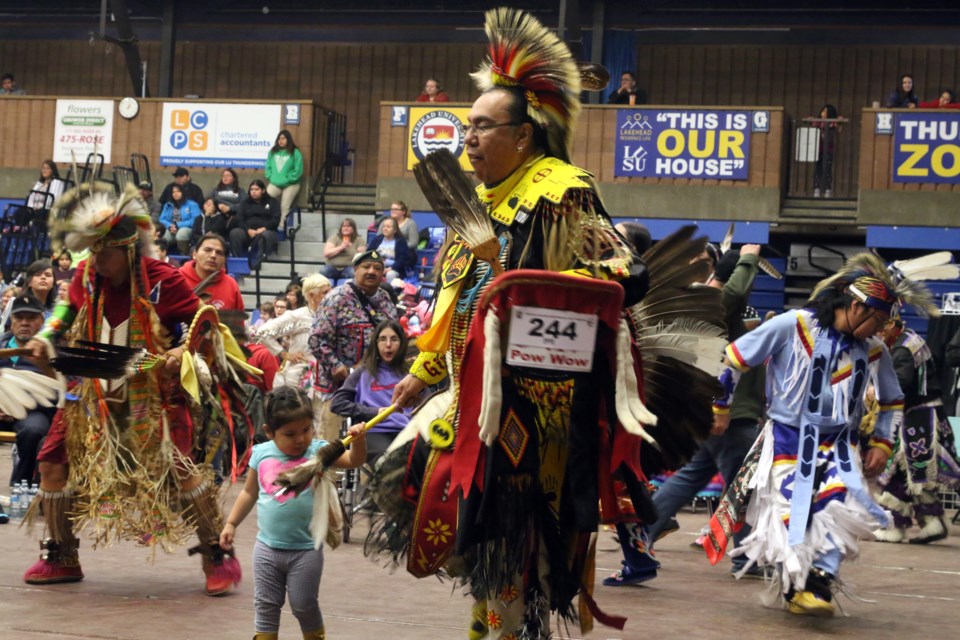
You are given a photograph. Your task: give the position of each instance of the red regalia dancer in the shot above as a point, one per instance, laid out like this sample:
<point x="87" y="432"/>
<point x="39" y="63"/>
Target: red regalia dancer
<point x="133" y="457"/>
<point x="505" y="495"/>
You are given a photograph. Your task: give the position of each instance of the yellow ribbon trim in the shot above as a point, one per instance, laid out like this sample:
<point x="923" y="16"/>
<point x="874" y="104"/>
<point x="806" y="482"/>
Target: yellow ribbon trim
<point x="188" y="376"/>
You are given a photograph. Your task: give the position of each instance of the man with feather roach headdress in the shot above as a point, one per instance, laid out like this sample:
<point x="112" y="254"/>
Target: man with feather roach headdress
<point x="132" y="456"/>
<point x="804" y="479"/>
<point x="497" y="480"/>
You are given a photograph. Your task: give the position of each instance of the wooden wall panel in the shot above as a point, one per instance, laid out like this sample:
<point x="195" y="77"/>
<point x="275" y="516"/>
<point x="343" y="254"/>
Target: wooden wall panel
<point x="800" y="78"/>
<point x="354" y="78"/>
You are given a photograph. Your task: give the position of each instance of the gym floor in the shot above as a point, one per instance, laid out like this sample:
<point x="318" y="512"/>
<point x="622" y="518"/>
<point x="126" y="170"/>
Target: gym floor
<point x="125" y="596"/>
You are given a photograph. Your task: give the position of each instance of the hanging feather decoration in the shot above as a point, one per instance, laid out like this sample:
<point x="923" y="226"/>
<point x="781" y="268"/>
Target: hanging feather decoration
<point x="452" y="196"/>
<point x="934" y="266"/>
<point x="688" y="340"/>
<point x="523" y="53"/>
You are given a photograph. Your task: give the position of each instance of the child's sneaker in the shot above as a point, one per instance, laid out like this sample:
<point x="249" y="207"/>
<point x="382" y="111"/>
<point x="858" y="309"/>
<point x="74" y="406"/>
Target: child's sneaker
<point x="630" y="575"/>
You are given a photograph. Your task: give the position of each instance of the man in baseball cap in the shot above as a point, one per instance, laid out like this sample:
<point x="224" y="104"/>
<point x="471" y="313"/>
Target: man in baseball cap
<point x="26" y="319"/>
<point x="146" y="194"/>
<point x="181" y="177"/>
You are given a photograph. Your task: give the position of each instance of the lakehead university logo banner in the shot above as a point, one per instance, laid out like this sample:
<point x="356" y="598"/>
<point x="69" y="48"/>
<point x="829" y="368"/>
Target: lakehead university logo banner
<point x="669" y="143"/>
<point x="432" y="129"/>
<point x="926" y="148"/>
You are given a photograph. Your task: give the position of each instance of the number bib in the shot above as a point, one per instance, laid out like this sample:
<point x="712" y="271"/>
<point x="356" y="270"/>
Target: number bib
<point x="551" y="339"/>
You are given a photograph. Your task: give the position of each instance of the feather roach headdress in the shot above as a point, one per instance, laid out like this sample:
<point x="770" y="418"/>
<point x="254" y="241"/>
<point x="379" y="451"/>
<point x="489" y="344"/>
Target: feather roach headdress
<point x="526" y="55"/>
<point x="92" y="216"/>
<point x="866" y="278"/>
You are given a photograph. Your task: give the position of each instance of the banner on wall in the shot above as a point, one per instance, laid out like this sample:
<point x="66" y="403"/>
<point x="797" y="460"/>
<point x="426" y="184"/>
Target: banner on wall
<point x="674" y="143"/>
<point x="218" y="135"/>
<point x="433" y="128"/>
<point x="926" y="148"/>
<point x="81" y="127"/>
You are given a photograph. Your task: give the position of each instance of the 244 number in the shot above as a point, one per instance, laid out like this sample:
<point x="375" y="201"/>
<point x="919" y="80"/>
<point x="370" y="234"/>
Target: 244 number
<point x="552" y="330"/>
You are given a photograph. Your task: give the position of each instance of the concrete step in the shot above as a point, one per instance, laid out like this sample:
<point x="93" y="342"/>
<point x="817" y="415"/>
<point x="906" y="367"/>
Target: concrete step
<point x="821" y="203"/>
<point x="349" y="199"/>
<point x="368" y="189"/>
<point x="800" y="215"/>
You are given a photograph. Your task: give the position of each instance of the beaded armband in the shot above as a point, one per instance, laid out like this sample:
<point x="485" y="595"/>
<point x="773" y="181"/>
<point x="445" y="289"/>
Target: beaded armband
<point x="58" y="322"/>
<point x="429" y="367"/>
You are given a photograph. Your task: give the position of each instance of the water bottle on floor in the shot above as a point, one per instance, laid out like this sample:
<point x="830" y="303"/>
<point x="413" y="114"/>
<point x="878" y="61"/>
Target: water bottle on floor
<point x="15" y="501"/>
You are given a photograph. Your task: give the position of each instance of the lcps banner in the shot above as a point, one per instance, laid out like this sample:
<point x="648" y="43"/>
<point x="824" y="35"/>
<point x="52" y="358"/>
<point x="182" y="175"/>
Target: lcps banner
<point x="654" y="143"/>
<point x="926" y="148"/>
<point x="206" y="134"/>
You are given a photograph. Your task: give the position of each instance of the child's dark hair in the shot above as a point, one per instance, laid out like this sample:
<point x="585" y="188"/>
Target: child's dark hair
<point x="284" y="405"/>
<point x="371" y="358"/>
<point x="826" y="304"/>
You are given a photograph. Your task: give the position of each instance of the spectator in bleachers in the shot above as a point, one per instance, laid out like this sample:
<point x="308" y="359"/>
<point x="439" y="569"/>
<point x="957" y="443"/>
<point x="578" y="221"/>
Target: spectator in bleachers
<point x="903" y="97"/>
<point x="64" y="267"/>
<point x="227" y="194"/>
<point x="294" y="330"/>
<point x="39" y="284"/>
<point x="146" y="194"/>
<point x="294" y="296"/>
<point x="26" y="321"/>
<point x="432" y="92"/>
<point x="369" y="388"/>
<point x="266" y="314"/>
<point x="181" y="178"/>
<point x="283" y="171"/>
<point x="163" y="253"/>
<point x="279" y="306"/>
<point x="627" y="93"/>
<point x="211" y="220"/>
<point x="636" y="234"/>
<point x="257" y="221"/>
<point x="341" y="332"/>
<point x="823" y="170"/>
<point x="408" y="227"/>
<point x="48" y="188"/>
<point x="8" y="86"/>
<point x="340" y="249"/>
<point x="178" y="217"/>
<point x="947" y="100"/>
<point x="210" y="259"/>
<point x="10" y="291"/>
<point x="393" y="247"/>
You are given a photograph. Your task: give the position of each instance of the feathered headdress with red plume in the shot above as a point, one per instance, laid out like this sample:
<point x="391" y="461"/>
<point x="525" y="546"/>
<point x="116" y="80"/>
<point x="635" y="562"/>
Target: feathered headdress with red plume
<point x="90" y="215"/>
<point x="525" y="54"/>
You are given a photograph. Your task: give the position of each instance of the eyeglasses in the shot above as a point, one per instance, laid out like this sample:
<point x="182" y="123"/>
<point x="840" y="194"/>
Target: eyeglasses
<point x="483" y="129"/>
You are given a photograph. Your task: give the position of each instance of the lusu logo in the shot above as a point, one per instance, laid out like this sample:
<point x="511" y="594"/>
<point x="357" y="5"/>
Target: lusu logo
<point x="189" y="129"/>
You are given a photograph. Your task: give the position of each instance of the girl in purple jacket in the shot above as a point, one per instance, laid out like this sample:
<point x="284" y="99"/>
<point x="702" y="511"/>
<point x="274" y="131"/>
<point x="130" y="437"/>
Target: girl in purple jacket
<point x="369" y="388"/>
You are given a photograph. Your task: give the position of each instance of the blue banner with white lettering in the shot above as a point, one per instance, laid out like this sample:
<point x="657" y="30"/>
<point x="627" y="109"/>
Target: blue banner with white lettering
<point x="926" y="148"/>
<point x="673" y="143"/>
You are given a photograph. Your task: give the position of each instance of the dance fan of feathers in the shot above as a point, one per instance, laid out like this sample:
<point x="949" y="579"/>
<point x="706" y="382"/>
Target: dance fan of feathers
<point x="679" y="329"/>
<point x="523" y="53"/>
<point x="453" y="198"/>
<point x="22" y="391"/>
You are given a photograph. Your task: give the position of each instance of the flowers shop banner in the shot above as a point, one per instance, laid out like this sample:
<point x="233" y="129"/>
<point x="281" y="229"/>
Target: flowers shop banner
<point x="926" y="148"/>
<point x="82" y="127"/>
<point x="676" y="143"/>
<point x="204" y="134"/>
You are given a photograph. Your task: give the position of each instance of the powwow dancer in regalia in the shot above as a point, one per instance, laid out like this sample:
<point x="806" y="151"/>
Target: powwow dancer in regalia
<point x="804" y="479"/>
<point x="498" y="479"/>
<point x="924" y="460"/>
<point x="132" y="457"/>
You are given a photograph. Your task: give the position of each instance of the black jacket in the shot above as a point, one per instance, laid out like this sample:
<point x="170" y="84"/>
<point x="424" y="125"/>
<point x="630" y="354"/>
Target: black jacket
<point x="253" y="215"/>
